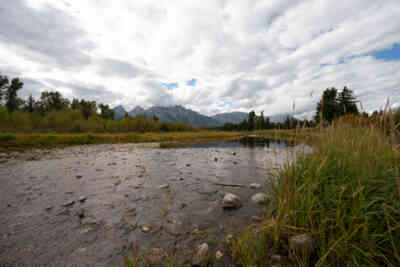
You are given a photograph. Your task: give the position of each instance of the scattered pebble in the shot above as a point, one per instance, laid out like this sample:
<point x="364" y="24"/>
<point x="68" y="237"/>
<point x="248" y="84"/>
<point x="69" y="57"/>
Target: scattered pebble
<point x="255" y="186"/>
<point x="69" y="203"/>
<point x="145" y="228"/>
<point x="78" y="176"/>
<point x="49" y="208"/>
<point x="163" y="186"/>
<point x="219" y="255"/>
<point x="82" y="199"/>
<point x="259" y="198"/>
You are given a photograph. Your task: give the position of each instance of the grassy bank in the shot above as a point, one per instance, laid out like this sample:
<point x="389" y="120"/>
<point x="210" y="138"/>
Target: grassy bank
<point x="345" y="195"/>
<point x="12" y="141"/>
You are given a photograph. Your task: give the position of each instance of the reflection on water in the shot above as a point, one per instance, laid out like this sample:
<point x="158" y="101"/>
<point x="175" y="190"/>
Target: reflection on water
<point x="247" y="142"/>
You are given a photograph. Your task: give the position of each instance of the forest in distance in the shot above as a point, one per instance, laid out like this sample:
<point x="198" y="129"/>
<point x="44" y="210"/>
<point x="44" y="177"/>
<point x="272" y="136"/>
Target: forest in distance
<point x="54" y="113"/>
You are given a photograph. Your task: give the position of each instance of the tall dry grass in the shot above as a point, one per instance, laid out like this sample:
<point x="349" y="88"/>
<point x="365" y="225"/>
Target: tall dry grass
<point x="345" y="194"/>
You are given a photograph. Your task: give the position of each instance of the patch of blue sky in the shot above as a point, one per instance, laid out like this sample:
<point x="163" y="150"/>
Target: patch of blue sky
<point x="170" y="86"/>
<point x="191" y="82"/>
<point x="225" y="103"/>
<point x="392" y="53"/>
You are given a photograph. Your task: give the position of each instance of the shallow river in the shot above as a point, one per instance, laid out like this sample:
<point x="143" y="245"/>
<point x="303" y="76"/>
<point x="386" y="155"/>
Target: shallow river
<point x="87" y="205"/>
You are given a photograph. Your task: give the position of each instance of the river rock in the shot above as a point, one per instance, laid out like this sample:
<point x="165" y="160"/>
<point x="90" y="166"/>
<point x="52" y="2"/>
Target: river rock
<point x="201" y="255"/>
<point x="255" y="186"/>
<point x="82" y="199"/>
<point x="219" y="255"/>
<point x="301" y="245"/>
<point x="231" y="201"/>
<point x="145" y="228"/>
<point x="163" y="186"/>
<point x="259" y="198"/>
<point x="276" y="258"/>
<point x="69" y="203"/>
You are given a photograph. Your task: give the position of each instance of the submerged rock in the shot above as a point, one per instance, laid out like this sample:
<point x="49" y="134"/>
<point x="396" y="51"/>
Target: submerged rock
<point x="231" y="201"/>
<point x="260" y="198"/>
<point x="201" y="255"/>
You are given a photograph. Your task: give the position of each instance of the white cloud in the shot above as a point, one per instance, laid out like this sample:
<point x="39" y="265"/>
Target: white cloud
<point x="260" y="55"/>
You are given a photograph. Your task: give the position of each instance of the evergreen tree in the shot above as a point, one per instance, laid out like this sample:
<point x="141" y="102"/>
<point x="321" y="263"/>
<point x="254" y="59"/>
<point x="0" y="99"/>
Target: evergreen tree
<point x="262" y="121"/>
<point x="12" y="101"/>
<point x="106" y="112"/>
<point x="251" y="121"/>
<point x="347" y="102"/>
<point x="328" y="107"/>
<point x="31" y="104"/>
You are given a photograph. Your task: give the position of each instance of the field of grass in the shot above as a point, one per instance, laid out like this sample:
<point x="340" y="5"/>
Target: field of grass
<point x="12" y="141"/>
<point x="345" y="195"/>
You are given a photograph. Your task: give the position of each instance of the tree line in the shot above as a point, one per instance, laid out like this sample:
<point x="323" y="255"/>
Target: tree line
<point x="54" y="113"/>
<point x="332" y="105"/>
<point x="259" y="122"/>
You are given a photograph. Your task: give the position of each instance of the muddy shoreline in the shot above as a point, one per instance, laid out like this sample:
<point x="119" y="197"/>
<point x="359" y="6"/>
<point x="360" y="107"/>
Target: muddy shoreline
<point x="87" y="205"/>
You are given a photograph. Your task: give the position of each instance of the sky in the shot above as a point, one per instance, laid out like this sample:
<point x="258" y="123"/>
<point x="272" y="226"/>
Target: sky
<point x="211" y="56"/>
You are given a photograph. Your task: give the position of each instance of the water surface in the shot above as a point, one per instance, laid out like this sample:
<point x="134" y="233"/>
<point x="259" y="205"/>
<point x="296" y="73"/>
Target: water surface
<point x="39" y="225"/>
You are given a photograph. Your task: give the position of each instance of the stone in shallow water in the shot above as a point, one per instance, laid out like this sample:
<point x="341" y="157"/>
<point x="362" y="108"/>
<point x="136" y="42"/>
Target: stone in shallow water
<point x="68" y="203"/>
<point x="259" y="198"/>
<point x="219" y="255"/>
<point x="145" y="228"/>
<point x="231" y="201"/>
<point x="163" y="186"/>
<point x="255" y="186"/>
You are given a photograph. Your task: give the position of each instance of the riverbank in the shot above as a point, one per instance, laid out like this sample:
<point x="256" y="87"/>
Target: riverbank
<point x="23" y="141"/>
<point x="338" y="206"/>
<point x="19" y="142"/>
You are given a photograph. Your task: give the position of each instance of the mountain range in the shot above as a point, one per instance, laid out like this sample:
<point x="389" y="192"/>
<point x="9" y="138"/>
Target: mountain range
<point x="182" y="114"/>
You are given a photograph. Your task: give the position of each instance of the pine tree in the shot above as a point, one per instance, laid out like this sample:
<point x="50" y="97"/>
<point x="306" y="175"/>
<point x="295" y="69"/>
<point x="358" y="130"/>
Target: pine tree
<point x="251" y="121"/>
<point x="31" y="104"/>
<point x="347" y="102"/>
<point x="11" y="94"/>
<point x="328" y="107"/>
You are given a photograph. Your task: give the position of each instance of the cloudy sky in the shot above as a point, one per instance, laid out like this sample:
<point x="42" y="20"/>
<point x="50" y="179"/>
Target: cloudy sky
<point x="211" y="56"/>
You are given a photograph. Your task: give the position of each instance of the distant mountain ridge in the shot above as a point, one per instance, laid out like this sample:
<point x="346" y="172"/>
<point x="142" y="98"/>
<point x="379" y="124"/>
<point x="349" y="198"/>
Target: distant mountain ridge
<point x="181" y="114"/>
